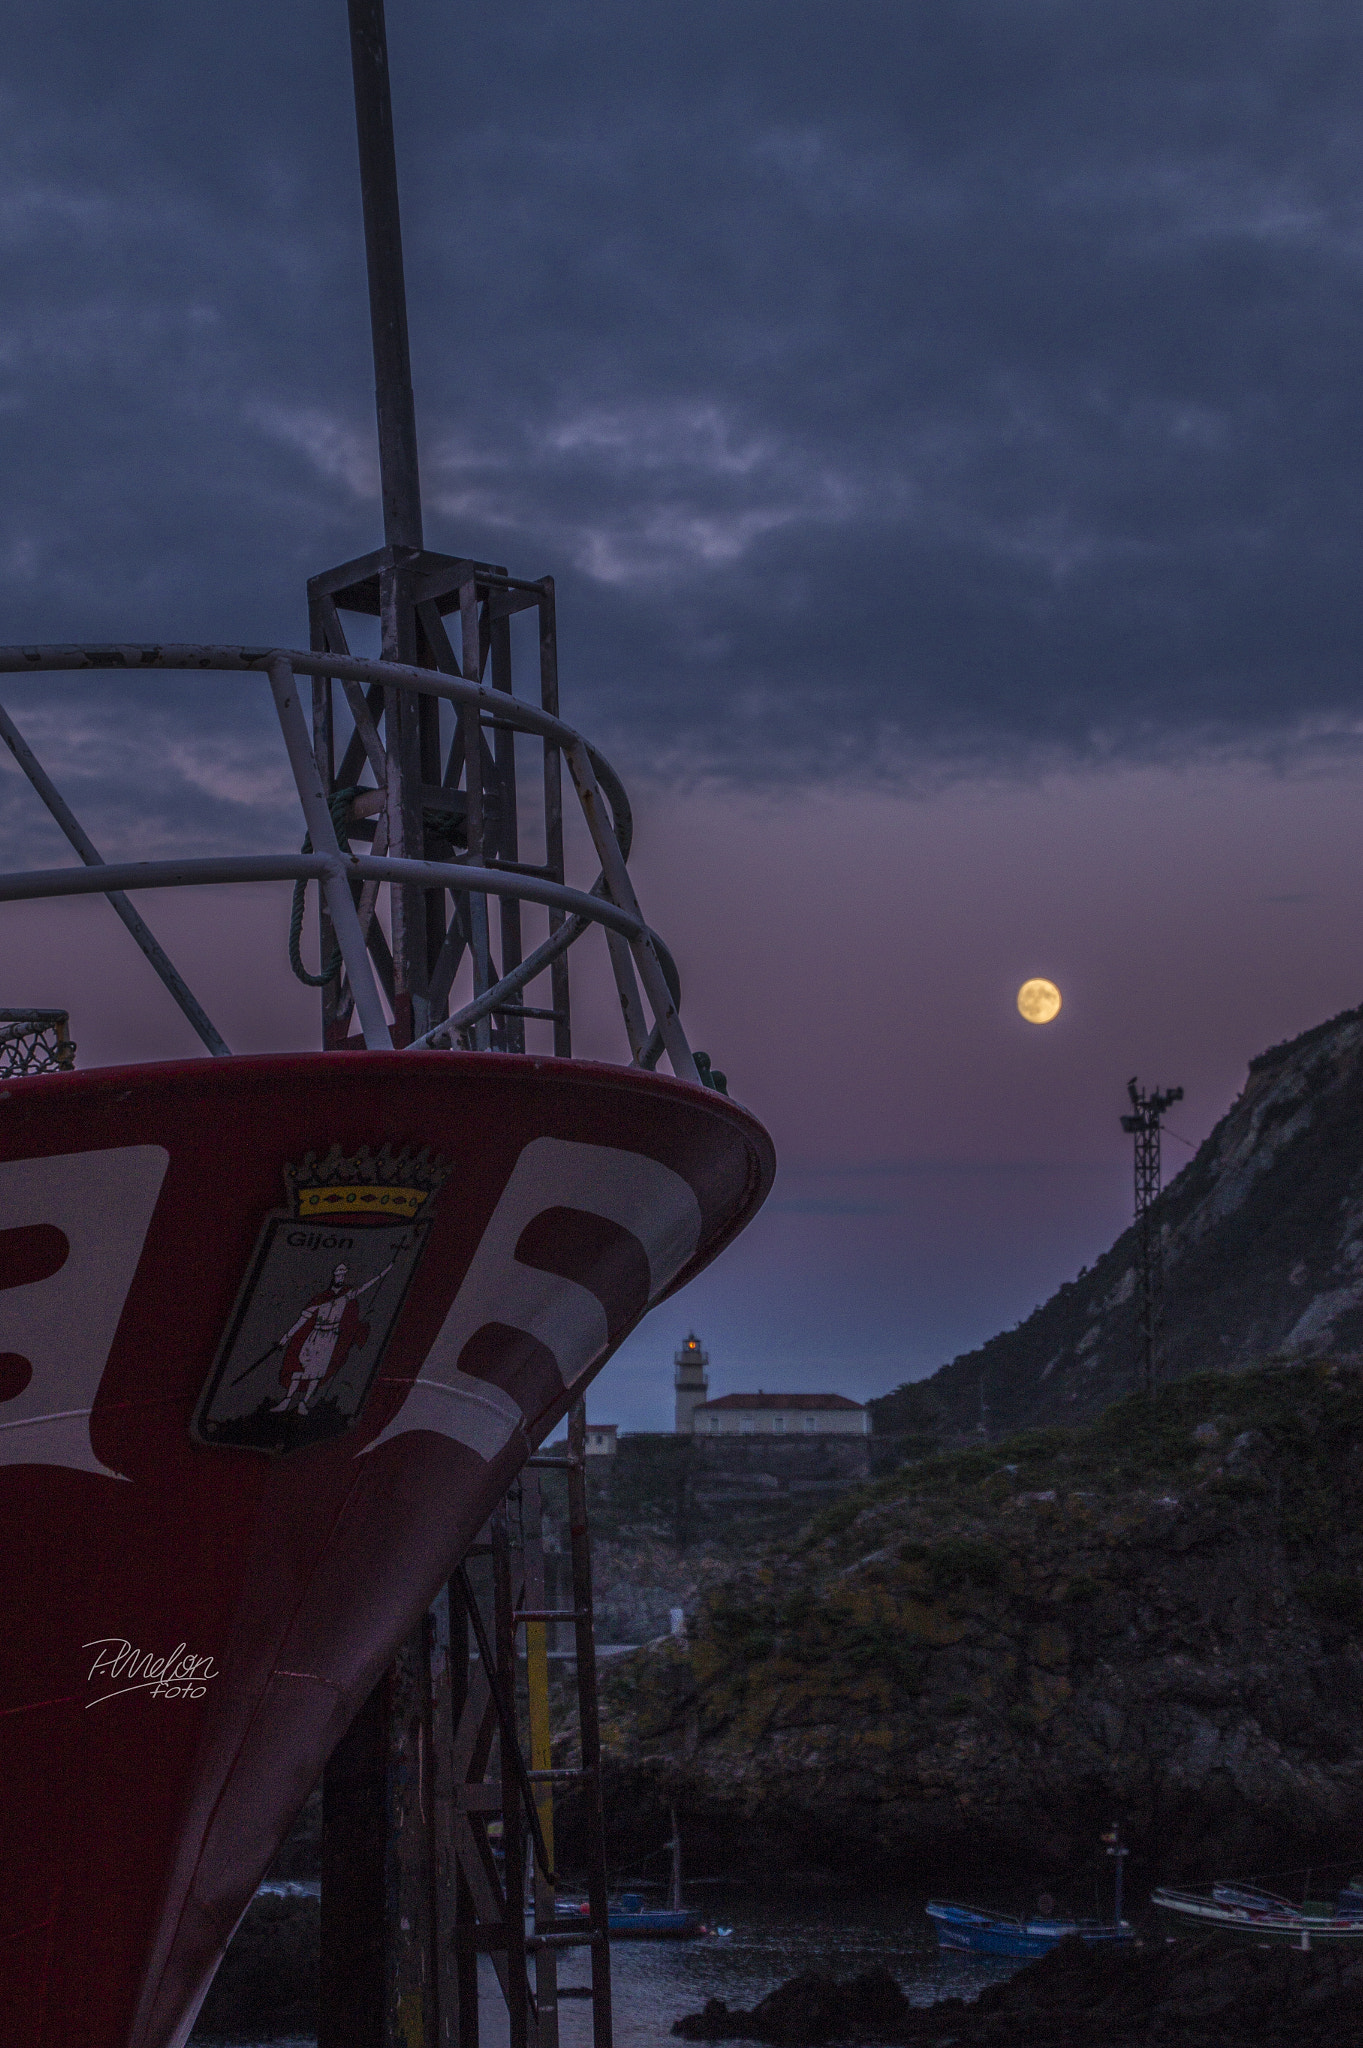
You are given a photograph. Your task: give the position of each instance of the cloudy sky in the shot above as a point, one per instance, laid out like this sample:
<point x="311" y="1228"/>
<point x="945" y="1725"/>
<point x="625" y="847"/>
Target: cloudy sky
<point x="942" y="418"/>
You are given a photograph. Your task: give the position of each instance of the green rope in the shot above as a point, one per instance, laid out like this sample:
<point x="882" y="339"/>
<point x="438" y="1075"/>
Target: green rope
<point x="341" y="800"/>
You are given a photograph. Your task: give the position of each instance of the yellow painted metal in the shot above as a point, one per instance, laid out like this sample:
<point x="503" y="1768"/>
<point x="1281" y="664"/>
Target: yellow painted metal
<point x="541" y="1751"/>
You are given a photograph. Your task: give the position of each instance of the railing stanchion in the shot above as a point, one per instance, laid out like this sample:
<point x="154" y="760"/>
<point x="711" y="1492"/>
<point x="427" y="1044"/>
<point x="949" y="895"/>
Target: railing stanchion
<point x="322" y="832"/>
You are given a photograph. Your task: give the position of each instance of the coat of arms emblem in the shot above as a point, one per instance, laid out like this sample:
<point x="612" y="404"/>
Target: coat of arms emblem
<point x="320" y="1300"/>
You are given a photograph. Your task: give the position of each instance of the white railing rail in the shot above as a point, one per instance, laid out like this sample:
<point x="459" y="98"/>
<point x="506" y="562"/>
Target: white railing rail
<point x="642" y="967"/>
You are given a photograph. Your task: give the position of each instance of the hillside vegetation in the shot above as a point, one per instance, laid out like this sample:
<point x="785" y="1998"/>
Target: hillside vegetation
<point x="978" y="1662"/>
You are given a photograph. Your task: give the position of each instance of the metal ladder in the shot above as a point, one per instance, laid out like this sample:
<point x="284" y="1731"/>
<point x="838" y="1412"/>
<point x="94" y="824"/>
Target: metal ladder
<point x="447" y="1774"/>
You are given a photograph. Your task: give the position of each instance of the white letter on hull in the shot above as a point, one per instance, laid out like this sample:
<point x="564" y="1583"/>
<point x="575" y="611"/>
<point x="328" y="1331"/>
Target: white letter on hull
<point x="629" y="1189"/>
<point x="62" y="1323"/>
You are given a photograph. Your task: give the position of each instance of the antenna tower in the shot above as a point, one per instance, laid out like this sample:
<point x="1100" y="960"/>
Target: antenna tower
<point x="1143" y="1123"/>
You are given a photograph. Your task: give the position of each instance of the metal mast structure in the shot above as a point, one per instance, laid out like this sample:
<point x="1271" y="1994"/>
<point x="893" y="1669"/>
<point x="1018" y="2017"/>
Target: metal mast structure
<point x="411" y="1889"/>
<point x="1143" y="1123"/>
<point x="434" y="799"/>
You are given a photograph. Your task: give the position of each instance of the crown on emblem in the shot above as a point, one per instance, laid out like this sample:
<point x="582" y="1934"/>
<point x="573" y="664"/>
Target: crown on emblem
<point x="364" y="1183"/>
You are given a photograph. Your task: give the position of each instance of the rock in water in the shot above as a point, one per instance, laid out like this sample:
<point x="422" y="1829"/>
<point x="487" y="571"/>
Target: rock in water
<point x="1217" y="1993"/>
<point x="807" y="2011"/>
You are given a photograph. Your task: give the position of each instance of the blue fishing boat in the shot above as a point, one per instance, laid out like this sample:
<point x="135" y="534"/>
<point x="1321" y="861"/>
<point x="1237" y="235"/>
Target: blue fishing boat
<point x="983" y="1933"/>
<point x="630" y="1917"/>
<point x="1009" y="1934"/>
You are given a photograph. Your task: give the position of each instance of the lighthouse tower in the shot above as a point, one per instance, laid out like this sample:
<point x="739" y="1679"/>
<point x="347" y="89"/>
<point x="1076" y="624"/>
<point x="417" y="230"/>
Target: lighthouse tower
<point x="691" y="1382"/>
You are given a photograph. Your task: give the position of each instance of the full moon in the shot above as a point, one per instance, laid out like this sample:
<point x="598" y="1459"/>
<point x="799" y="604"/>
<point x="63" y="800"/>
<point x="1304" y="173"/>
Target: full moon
<point x="1039" y="1001"/>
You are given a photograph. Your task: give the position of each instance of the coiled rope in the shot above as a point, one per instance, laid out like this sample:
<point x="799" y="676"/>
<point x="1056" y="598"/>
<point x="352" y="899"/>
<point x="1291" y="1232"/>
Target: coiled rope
<point x="341" y="800"/>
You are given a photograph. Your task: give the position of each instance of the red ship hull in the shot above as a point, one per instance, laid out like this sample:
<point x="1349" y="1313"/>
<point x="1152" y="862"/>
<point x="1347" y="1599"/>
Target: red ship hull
<point x="187" y="1626"/>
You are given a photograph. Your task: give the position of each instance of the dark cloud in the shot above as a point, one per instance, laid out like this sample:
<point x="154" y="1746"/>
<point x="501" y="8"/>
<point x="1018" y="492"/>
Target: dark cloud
<point x="890" y="387"/>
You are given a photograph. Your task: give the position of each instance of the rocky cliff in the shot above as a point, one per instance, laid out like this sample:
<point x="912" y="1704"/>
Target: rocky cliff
<point x="1262" y="1235"/>
<point x="978" y="1662"/>
<point x="666" y="1518"/>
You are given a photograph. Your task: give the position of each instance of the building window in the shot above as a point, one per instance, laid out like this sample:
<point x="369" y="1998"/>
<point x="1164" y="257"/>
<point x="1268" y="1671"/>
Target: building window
<point x="778" y="1422"/>
<point x="811" y="1422"/>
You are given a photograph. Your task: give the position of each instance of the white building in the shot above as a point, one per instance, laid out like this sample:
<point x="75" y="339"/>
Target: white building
<point x="692" y="1382"/>
<point x="761" y="1414"/>
<point x="600" y="1442"/>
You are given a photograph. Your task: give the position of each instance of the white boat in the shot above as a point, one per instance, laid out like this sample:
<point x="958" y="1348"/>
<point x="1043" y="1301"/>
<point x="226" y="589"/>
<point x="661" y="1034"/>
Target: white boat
<point x="1265" y="1916"/>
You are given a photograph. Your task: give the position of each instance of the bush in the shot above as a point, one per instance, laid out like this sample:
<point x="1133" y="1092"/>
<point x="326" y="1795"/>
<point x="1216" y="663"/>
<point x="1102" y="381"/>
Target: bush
<point x="973" y="1464"/>
<point x="878" y="1646"/>
<point x="740" y="1624"/>
<point x="798" y="1608"/>
<point x="1238" y="1486"/>
<point x="964" y="1560"/>
<point x="833" y="1520"/>
<point x="1332" y="1595"/>
<point x="910" y="1410"/>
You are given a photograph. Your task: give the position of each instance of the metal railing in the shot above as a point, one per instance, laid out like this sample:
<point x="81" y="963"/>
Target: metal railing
<point x="645" y="976"/>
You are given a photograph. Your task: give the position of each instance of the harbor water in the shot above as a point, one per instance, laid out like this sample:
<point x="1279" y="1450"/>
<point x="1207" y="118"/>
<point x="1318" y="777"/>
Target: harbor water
<point x="655" y="1982"/>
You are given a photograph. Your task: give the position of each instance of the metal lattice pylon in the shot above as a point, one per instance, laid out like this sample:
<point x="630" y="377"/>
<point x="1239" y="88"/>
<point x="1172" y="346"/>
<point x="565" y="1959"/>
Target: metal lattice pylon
<point x="1143" y="1123"/>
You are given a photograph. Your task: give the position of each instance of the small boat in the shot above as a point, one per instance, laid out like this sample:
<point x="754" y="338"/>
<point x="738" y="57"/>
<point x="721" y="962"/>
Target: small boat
<point x="1010" y="1934"/>
<point x="631" y="1918"/>
<point x="1265" y="1916"/>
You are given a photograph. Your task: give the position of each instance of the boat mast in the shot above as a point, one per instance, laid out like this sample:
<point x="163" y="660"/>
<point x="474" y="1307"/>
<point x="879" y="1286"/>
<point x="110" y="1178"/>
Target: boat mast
<point x="674" y="1896"/>
<point x="379" y="1929"/>
<point x="1115" y="1847"/>
<point x="398" y="467"/>
<point x="408" y="1901"/>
